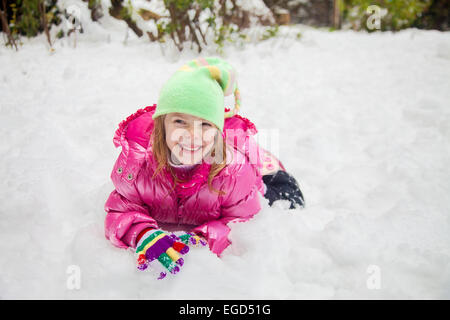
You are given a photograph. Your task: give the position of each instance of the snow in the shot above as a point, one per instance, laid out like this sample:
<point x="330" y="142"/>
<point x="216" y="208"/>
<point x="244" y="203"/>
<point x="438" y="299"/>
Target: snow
<point x="363" y="123"/>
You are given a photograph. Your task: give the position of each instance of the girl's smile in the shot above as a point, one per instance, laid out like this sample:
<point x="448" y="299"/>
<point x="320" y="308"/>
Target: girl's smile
<point x="189" y="138"/>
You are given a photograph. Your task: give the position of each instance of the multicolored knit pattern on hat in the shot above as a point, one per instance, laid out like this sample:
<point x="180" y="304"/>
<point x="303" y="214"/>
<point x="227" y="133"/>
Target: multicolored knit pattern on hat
<point x="198" y="88"/>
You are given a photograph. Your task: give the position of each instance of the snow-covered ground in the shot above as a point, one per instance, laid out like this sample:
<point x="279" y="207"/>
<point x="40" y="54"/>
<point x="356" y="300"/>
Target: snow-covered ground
<point x="363" y="123"/>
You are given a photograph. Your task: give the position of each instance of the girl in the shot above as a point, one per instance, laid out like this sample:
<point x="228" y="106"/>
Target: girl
<point x="190" y="164"/>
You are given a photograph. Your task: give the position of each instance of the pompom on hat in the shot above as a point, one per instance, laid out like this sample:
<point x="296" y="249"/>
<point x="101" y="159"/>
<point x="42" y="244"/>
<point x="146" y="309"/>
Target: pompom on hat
<point x="198" y="88"/>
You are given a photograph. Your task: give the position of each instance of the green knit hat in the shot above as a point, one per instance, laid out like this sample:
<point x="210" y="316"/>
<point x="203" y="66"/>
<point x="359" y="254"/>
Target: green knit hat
<point x="198" y="88"/>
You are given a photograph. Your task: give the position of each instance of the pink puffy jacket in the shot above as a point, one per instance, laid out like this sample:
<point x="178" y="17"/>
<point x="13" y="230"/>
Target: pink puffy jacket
<point x="139" y="202"/>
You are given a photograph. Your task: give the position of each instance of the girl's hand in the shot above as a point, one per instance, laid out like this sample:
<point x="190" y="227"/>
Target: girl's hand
<point x="157" y="245"/>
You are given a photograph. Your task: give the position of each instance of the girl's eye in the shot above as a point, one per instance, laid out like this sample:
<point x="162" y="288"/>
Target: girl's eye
<point x="179" y="121"/>
<point x="206" y="124"/>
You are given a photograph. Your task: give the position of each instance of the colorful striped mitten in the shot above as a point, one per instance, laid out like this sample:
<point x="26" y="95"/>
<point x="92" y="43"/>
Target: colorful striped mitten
<point x="192" y="239"/>
<point x="155" y="244"/>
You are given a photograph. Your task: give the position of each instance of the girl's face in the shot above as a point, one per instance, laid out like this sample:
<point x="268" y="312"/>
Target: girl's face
<point x="189" y="138"/>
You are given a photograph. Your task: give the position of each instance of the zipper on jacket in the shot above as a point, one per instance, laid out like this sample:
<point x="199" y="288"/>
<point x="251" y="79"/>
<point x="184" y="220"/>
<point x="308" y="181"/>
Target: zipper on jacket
<point x="179" y="208"/>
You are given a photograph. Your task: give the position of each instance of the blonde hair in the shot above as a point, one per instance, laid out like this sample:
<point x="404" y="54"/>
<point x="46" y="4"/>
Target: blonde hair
<point x="161" y="152"/>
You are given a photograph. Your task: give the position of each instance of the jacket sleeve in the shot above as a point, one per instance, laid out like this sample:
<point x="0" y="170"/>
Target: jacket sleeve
<point x="241" y="204"/>
<point x="125" y="219"/>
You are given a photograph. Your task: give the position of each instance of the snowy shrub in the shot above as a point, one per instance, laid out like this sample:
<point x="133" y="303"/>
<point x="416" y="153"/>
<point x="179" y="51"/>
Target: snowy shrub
<point x="202" y="22"/>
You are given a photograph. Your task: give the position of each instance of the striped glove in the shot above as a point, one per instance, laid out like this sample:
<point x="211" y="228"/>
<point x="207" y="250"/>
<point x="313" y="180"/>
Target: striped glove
<point x="192" y="239"/>
<point x="155" y="244"/>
